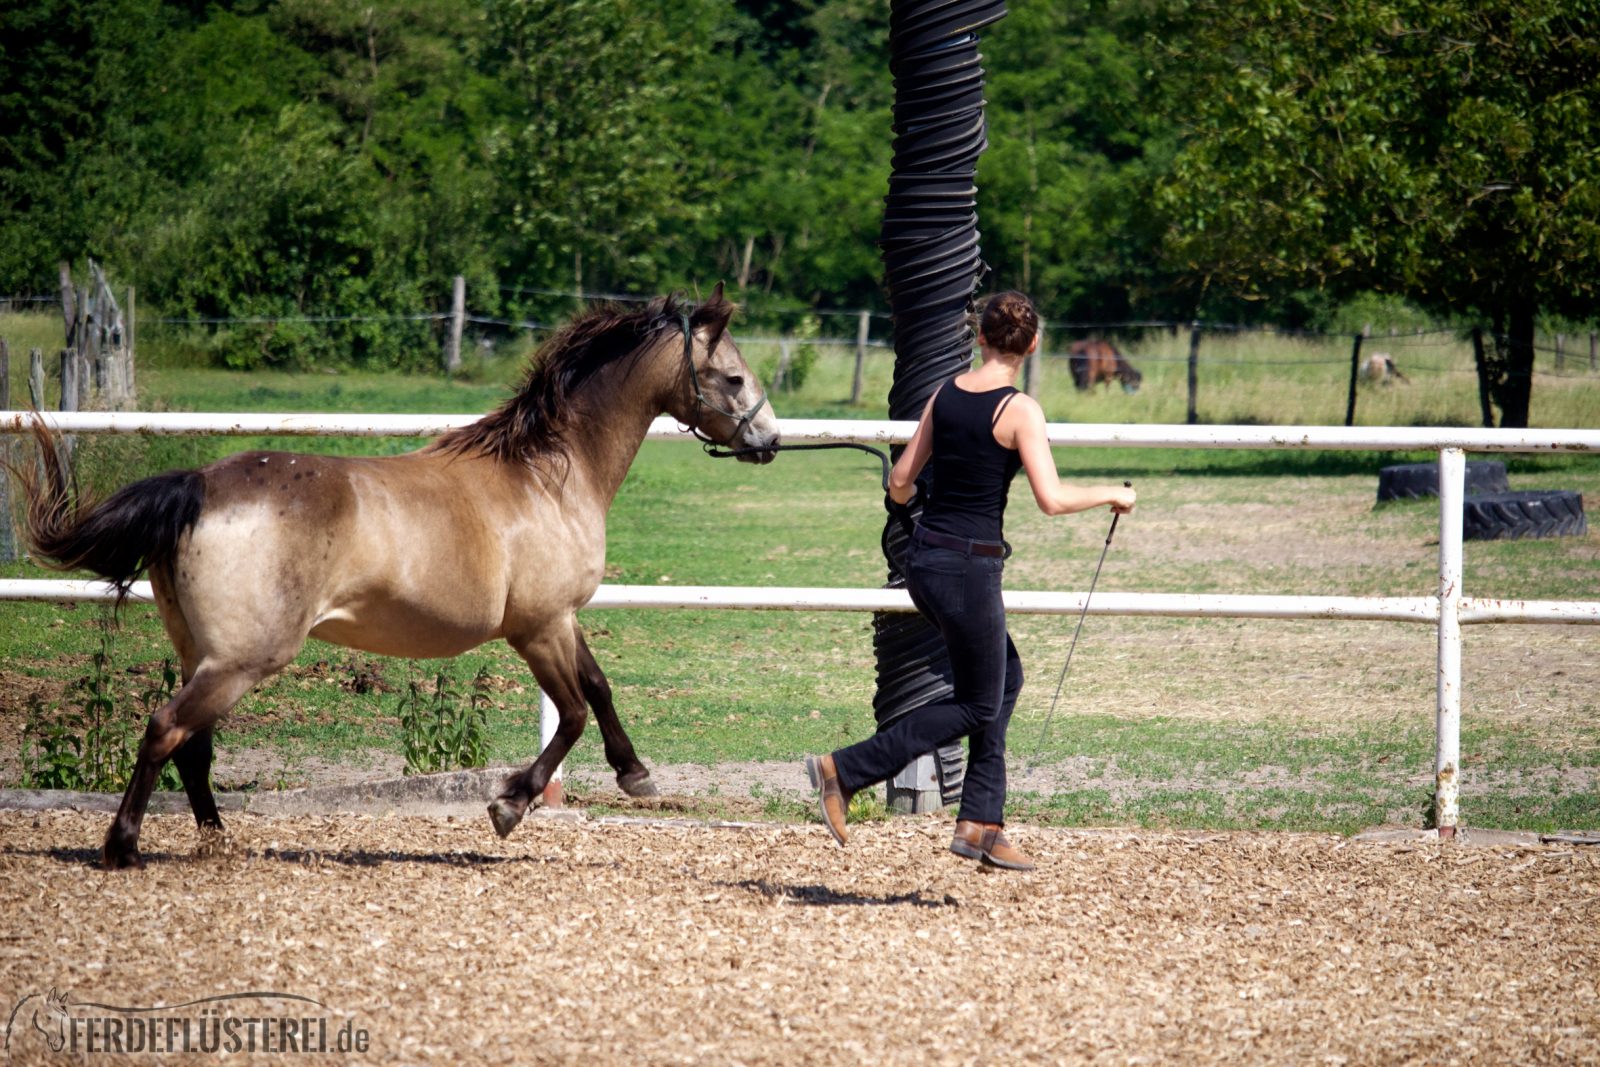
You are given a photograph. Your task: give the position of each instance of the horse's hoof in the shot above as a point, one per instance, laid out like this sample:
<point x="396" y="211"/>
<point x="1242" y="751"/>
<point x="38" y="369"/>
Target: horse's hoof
<point x="120" y="859"/>
<point x="504" y="815"/>
<point x="637" y="784"/>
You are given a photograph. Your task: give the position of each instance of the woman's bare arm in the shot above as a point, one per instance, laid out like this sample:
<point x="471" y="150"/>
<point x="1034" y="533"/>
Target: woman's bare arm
<point x="903" y="479"/>
<point x="1023" y="423"/>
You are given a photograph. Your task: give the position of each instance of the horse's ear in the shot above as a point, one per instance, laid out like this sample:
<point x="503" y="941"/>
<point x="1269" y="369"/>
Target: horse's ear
<point x="714" y="314"/>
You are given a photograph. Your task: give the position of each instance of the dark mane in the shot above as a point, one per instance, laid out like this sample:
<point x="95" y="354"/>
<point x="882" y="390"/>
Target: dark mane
<point x="532" y="427"/>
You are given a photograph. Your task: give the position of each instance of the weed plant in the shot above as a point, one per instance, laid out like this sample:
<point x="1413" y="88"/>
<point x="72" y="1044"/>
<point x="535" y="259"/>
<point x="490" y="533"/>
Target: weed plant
<point x="443" y="729"/>
<point x="81" y="743"/>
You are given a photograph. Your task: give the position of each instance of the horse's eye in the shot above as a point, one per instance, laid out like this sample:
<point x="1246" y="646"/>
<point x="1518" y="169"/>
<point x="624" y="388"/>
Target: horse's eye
<point x="735" y="380"/>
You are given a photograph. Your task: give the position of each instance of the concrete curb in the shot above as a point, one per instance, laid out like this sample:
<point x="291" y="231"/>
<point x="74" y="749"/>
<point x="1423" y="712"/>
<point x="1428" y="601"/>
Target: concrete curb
<point x="463" y="794"/>
<point x="1476" y="837"/>
<point x="451" y="793"/>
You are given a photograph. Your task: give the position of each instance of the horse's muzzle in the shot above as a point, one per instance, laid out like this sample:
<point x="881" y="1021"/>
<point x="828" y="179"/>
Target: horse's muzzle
<point x="765" y="449"/>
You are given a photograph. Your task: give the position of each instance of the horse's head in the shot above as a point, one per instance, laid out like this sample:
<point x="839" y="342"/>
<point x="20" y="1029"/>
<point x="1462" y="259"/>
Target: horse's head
<point x="50" y="1019"/>
<point x="1128" y="374"/>
<point x="722" y="399"/>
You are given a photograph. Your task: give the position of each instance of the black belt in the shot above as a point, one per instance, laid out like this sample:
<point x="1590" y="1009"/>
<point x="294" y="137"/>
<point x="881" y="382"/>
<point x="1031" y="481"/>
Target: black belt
<point x="992" y="549"/>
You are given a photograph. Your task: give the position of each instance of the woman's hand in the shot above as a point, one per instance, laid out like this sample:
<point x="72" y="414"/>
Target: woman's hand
<point x="1123" y="500"/>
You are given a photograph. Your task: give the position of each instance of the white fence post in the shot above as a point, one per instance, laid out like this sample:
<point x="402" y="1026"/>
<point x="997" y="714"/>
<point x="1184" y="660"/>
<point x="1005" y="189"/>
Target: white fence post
<point x="1447" y="752"/>
<point x="1449" y="610"/>
<point x="554" y="796"/>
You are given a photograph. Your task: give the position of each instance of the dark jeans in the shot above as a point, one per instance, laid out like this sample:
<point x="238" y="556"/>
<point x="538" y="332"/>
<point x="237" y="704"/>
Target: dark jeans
<point x="960" y="595"/>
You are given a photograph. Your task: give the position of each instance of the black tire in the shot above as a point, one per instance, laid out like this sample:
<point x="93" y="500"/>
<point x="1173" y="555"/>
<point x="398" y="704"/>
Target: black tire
<point x="1408" y="481"/>
<point x="1529" y="513"/>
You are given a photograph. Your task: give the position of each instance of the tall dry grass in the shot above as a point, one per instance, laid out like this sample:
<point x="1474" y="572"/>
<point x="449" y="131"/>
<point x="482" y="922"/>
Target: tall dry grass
<point x="1252" y="378"/>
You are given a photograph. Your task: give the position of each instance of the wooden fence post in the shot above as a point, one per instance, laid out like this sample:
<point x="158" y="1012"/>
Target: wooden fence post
<point x="36" y="379"/>
<point x="69" y="307"/>
<point x="1033" y="367"/>
<point x="863" y="328"/>
<point x="1194" y="372"/>
<point x="781" y="375"/>
<point x="128" y="359"/>
<point x="458" y="314"/>
<point x="70" y="370"/>
<point x="1561" y="356"/>
<point x="1355" y="370"/>
<point x="1483" y="380"/>
<point x="79" y="350"/>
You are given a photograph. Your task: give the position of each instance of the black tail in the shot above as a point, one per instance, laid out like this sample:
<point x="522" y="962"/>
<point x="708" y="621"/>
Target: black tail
<point x="136" y="528"/>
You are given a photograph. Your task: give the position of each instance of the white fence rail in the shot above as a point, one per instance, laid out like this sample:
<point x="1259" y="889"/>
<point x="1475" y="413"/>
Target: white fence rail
<point x="1448" y="611"/>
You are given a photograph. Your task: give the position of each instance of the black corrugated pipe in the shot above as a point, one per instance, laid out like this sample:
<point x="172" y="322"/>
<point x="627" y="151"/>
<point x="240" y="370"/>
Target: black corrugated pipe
<point x="932" y="263"/>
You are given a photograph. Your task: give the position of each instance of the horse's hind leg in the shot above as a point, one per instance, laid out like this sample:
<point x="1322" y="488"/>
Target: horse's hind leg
<point x="193" y="711"/>
<point x="193" y="758"/>
<point x="633" y="777"/>
<point x="553" y="658"/>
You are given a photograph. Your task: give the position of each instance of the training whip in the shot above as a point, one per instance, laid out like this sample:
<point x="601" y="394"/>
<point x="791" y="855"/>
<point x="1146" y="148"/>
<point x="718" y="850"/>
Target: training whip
<point x="1045" y="735"/>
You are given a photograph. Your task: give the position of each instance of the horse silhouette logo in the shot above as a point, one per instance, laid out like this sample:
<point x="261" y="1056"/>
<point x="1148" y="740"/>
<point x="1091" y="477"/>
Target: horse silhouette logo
<point x="264" y="1021"/>
<point x="44" y="1013"/>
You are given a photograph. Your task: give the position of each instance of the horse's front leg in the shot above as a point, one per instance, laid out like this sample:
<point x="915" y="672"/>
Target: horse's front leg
<point x="633" y="777"/>
<point x="553" y="659"/>
<point x="193" y="759"/>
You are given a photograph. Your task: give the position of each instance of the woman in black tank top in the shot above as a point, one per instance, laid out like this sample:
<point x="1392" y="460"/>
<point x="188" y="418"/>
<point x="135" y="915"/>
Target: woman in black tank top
<point x="974" y="435"/>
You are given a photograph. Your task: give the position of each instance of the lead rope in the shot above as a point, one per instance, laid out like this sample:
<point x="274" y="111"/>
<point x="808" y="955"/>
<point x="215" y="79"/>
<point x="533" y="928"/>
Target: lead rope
<point x="901" y="512"/>
<point x="1044" y="736"/>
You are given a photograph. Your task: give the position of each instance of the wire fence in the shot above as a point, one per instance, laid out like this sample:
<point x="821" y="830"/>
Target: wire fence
<point x="1220" y="371"/>
<point x="1409" y="337"/>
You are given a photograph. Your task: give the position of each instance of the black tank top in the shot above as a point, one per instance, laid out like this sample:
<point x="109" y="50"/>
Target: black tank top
<point x="971" y="470"/>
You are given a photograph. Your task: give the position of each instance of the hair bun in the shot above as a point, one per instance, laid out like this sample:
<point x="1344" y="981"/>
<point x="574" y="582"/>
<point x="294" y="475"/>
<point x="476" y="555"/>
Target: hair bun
<point x="1009" y="323"/>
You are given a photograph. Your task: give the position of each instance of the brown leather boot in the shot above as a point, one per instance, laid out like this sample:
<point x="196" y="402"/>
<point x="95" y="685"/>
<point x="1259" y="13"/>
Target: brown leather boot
<point x="986" y="841"/>
<point x="832" y="800"/>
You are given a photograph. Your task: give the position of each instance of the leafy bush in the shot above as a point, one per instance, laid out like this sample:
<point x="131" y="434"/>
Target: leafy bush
<point x="81" y="743"/>
<point x="441" y="731"/>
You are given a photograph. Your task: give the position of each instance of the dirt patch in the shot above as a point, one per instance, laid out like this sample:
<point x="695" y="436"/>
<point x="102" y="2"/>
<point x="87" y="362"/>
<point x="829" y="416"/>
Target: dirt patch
<point x="266" y="768"/>
<point x="1543" y="679"/>
<point x="684" y="944"/>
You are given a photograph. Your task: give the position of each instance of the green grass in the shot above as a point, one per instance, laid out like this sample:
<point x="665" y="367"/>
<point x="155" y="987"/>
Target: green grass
<point x="1206" y="723"/>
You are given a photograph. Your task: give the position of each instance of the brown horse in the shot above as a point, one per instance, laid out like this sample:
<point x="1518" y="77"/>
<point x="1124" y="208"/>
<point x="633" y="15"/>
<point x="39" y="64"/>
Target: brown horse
<point x="494" y="530"/>
<point x="1093" y="362"/>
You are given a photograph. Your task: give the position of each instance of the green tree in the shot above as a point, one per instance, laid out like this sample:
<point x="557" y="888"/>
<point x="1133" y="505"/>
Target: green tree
<point x="290" y="224"/>
<point x="1074" y="143"/>
<point x="407" y="83"/>
<point x="65" y="66"/>
<point x="1444" y="151"/>
<point x="590" y="165"/>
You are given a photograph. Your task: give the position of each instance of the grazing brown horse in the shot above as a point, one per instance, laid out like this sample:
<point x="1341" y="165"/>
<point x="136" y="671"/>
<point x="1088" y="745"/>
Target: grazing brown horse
<point x="494" y="530"/>
<point x="1093" y="362"/>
